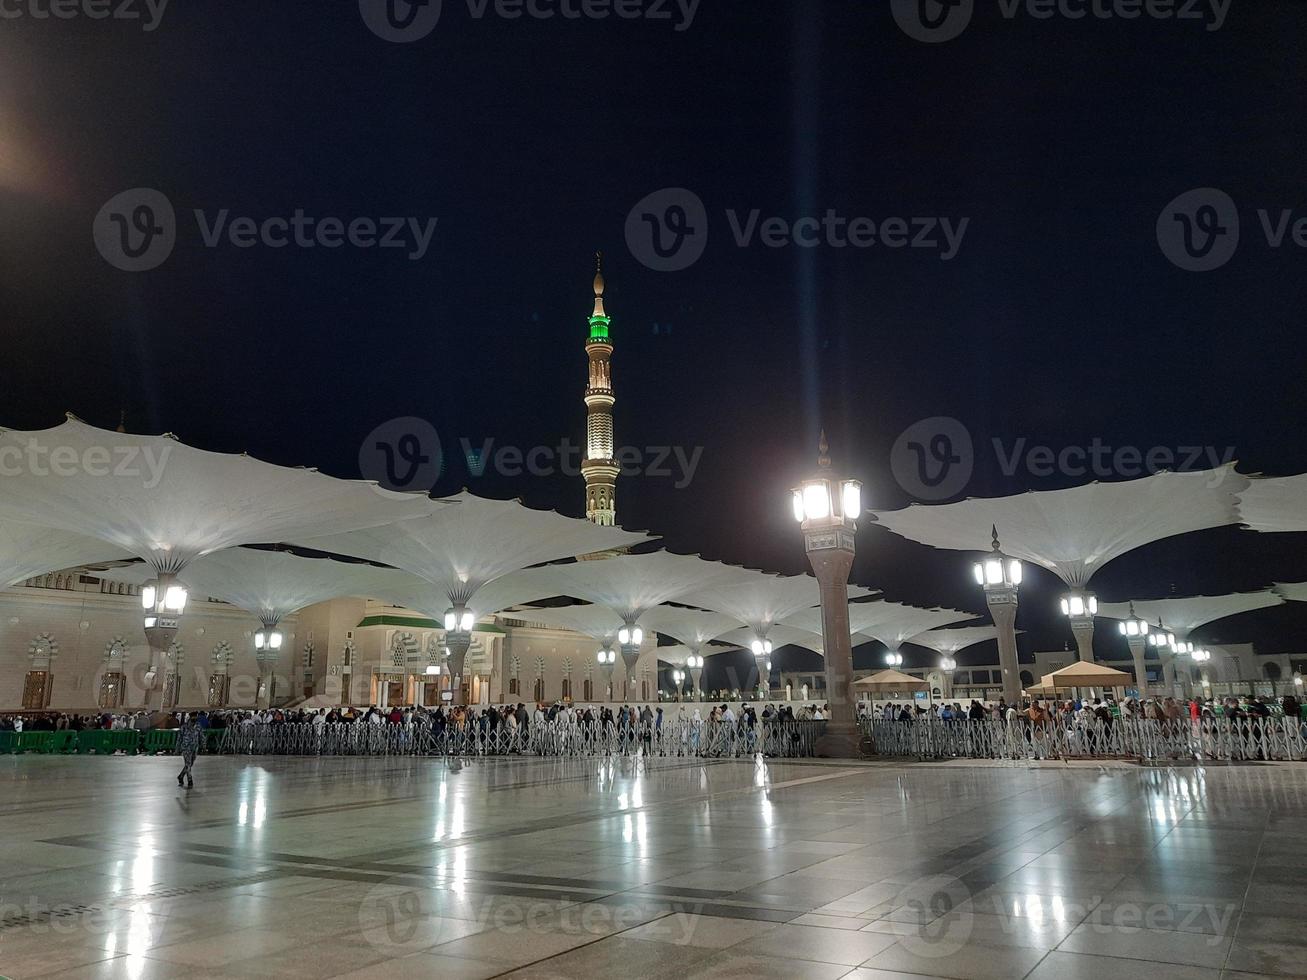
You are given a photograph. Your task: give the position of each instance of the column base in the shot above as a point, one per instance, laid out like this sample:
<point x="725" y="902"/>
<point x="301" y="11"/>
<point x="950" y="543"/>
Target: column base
<point x="843" y="740"/>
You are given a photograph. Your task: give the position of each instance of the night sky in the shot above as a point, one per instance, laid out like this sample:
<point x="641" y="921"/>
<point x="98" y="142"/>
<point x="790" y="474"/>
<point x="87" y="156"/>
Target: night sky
<point x="1059" y="321"/>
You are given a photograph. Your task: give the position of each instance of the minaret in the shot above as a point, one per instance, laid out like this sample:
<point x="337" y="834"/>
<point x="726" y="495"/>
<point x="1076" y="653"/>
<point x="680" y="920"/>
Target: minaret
<point x="599" y="467"/>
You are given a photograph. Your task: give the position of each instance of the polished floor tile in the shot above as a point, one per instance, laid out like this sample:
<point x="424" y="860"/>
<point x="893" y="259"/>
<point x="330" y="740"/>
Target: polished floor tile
<point x="324" y="868"/>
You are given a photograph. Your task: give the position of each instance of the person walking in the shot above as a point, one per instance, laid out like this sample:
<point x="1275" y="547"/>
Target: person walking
<point x="189" y="738"/>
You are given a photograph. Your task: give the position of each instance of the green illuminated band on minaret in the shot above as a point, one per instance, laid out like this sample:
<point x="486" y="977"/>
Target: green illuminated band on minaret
<point x="599" y="468"/>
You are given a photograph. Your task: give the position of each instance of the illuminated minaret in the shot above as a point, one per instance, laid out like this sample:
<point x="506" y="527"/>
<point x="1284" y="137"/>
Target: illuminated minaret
<point x="599" y="467"/>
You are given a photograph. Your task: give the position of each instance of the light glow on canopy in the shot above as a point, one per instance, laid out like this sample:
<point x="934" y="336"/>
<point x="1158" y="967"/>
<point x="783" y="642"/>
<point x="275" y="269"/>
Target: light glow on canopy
<point x="473" y="541"/>
<point x="759" y="599"/>
<point x="28" y="550"/>
<point x="169" y="503"/>
<point x="1075" y="532"/>
<point x="1185" y="614"/>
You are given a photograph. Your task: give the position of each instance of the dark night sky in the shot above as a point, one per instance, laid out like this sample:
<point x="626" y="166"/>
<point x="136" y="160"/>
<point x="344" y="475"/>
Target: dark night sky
<point x="1059" y="321"/>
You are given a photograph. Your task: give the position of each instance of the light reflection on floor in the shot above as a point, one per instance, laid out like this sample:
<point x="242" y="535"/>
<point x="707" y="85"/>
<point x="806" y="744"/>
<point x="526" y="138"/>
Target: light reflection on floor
<point x="700" y="868"/>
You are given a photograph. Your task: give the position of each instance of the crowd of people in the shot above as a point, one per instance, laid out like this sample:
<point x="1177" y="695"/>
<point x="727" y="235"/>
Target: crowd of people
<point x="1042" y="712"/>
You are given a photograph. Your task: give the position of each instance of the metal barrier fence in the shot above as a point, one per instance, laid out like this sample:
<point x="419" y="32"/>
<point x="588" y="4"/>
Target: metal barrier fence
<point x="671" y="739"/>
<point x="1148" y="740"/>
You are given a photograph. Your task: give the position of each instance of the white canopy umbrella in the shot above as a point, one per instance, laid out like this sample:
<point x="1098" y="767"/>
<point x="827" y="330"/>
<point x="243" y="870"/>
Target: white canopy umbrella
<point x="1274" y="504"/>
<point x="892" y="623"/>
<point x="29" y="549"/>
<point x="1184" y="614"/>
<point x="950" y="641"/>
<point x="470" y="545"/>
<point x="1293" y="591"/>
<point x="169" y="503"/>
<point x="760" y="600"/>
<point x="1073" y="533"/>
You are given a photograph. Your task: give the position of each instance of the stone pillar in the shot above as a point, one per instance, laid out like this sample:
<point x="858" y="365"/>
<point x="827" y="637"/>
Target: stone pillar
<point x="1138" y="649"/>
<point x="696" y="675"/>
<point x="1003" y="610"/>
<point x="831" y="565"/>
<point x="1083" y="630"/>
<point x="458" y="643"/>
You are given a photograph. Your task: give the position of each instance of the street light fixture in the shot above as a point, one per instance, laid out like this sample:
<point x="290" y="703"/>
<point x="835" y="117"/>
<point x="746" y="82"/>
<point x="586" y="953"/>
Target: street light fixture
<point x="894" y="659"/>
<point x="1136" y="631"/>
<point x="827" y="508"/>
<point x="458" y="622"/>
<point x="948" y="664"/>
<point x="163" y="600"/>
<point x="1080" y="607"/>
<point x="1000" y="576"/>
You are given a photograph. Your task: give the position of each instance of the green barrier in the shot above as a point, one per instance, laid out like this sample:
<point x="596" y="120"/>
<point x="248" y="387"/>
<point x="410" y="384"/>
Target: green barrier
<point x="160" y="740"/>
<point x="15" y="742"/>
<point x="95" y="740"/>
<point x="127" y="740"/>
<point x="64" y="742"/>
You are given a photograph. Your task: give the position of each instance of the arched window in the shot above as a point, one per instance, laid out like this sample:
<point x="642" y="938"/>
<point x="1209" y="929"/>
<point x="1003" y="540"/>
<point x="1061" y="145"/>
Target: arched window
<point x="567" y="688"/>
<point x="512" y="685"/>
<point x="588" y="690"/>
<point x="1272" y="670"/>
<point x="539" y="692"/>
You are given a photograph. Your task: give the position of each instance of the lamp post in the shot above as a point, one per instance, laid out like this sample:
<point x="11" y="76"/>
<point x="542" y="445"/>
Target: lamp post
<point x="1080" y="607"/>
<point x="1136" y="631"/>
<point x="678" y="676"/>
<point x="267" y="649"/>
<point x="946" y="666"/>
<point x="607" y="657"/>
<point x="459" y="621"/>
<point x="694" y="664"/>
<point x="1000" y="577"/>
<point x="629" y="638"/>
<point x="827" y="510"/>
<point x="1164" y="643"/>
<point x="761" y="648"/>
<point x="163" y="601"/>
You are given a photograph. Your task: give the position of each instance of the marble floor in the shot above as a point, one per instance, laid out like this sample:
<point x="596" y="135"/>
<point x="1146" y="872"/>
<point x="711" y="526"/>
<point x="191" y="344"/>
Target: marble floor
<point x="361" y="868"/>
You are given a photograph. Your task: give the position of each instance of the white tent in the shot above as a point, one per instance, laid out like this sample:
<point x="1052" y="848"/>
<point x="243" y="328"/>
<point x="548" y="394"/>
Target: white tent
<point x="473" y="541"/>
<point x="693" y="627"/>
<point x="275" y="584"/>
<point x="1075" y="532"/>
<point x="29" y="549"/>
<point x="630" y="585"/>
<point x="759" y="599"/>
<point x="1293" y="591"/>
<point x="170" y="503"/>
<point x="1274" y="503"/>
<point x="1183" y="615"/>
<point x="950" y="641"/>
<point x="781" y="635"/>
<point x="889" y="622"/>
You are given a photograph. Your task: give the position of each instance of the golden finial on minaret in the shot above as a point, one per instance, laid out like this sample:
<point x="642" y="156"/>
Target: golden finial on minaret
<point x="599" y="285"/>
<point x="122" y="420"/>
